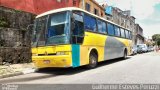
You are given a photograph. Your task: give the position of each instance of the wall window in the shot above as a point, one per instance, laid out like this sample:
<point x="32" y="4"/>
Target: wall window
<point x="74" y="2"/>
<point x="90" y="23"/>
<point x="122" y="33"/>
<point x="110" y="29"/>
<point x="88" y="7"/>
<point x="117" y="31"/>
<point x="101" y="14"/>
<point x="101" y="27"/>
<point x="127" y="34"/>
<point x="96" y="12"/>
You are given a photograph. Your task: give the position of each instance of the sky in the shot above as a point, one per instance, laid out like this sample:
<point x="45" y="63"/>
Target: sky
<point x="146" y="12"/>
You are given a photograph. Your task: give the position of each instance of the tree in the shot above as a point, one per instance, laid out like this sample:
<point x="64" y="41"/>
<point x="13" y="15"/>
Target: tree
<point x="156" y="38"/>
<point x="158" y="42"/>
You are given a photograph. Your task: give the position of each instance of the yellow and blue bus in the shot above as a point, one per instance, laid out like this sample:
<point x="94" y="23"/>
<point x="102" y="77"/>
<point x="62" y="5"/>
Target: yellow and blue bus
<point x="72" y="37"/>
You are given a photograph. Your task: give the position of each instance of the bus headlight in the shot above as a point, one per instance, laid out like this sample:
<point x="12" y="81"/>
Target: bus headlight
<point x="62" y="53"/>
<point x="34" y="54"/>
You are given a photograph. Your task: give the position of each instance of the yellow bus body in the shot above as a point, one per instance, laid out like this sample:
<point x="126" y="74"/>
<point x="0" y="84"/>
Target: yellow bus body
<point x="75" y="55"/>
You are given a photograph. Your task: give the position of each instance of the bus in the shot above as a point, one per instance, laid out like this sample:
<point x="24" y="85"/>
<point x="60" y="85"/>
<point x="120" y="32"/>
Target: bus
<point x="73" y="37"/>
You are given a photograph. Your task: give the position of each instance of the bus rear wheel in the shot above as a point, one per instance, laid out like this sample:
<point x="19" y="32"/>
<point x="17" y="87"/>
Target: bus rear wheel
<point x="92" y="61"/>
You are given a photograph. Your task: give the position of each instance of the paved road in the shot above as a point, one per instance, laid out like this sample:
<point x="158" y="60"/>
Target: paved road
<point x="143" y="68"/>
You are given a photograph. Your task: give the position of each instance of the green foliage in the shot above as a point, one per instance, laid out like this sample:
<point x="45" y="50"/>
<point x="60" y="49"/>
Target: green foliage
<point x="158" y="42"/>
<point x="3" y="22"/>
<point x="156" y="38"/>
<point x="18" y="11"/>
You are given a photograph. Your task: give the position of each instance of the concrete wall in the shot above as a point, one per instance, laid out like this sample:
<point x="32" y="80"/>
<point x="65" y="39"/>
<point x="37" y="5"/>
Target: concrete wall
<point x="15" y="39"/>
<point x="15" y="18"/>
<point x="14" y="45"/>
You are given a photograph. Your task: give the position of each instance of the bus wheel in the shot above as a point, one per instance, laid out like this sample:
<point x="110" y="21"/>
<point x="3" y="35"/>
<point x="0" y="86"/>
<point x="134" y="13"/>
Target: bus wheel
<point x="92" y="61"/>
<point x="125" y="54"/>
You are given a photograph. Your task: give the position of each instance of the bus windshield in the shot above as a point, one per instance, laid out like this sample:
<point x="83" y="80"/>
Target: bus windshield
<point x="58" y="29"/>
<point x="38" y="34"/>
<point x="51" y="29"/>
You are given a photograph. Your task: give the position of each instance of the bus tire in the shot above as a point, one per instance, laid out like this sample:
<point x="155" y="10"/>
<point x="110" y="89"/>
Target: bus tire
<point x="93" y="60"/>
<point x="124" y="54"/>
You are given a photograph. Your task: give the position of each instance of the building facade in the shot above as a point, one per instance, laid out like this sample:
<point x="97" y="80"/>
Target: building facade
<point x="123" y="18"/>
<point x="40" y="6"/>
<point x="93" y="7"/>
<point x="138" y="35"/>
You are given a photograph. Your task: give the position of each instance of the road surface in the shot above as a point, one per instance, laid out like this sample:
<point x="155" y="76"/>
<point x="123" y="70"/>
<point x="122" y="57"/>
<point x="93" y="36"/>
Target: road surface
<point x="138" y="69"/>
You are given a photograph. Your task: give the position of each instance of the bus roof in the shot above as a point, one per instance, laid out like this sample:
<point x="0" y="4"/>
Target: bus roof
<point x="78" y="9"/>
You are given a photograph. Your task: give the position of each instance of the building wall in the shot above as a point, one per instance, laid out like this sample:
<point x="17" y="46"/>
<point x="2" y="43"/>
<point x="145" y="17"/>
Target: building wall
<point x="24" y="5"/>
<point x="93" y="5"/>
<point x="39" y="6"/>
<point x="117" y="16"/>
<point x="138" y="34"/>
<point x="53" y="4"/>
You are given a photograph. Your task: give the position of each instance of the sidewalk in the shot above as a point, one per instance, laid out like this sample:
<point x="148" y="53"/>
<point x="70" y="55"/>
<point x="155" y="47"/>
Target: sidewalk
<point x="16" y="69"/>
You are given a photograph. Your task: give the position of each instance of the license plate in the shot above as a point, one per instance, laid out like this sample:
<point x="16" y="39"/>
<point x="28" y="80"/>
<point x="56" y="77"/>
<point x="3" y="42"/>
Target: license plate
<point x="46" y="61"/>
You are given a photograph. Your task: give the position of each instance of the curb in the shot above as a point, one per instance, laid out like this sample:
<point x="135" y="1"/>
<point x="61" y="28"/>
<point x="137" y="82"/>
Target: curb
<point x="18" y="73"/>
<point x="11" y="75"/>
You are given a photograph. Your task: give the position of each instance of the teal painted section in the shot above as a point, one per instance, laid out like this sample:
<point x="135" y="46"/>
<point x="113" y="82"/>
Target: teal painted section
<point x="75" y="55"/>
<point x="108" y="10"/>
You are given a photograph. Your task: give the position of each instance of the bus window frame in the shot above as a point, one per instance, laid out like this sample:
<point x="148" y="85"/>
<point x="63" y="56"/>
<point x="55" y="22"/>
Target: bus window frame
<point x="96" y="31"/>
<point x="71" y="33"/>
<point x="48" y="21"/>
<point x="119" y="31"/>
<point x="106" y="22"/>
<point x="124" y="33"/>
<point x="108" y="28"/>
<point x="102" y="26"/>
<point x="128" y="34"/>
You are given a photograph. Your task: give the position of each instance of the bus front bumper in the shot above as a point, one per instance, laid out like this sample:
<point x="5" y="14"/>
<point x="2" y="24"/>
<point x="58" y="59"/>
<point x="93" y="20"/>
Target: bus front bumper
<point x="52" y="61"/>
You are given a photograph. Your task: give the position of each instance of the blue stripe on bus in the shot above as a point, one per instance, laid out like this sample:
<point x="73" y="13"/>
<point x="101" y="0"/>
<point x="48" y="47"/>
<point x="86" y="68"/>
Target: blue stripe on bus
<point x="75" y="55"/>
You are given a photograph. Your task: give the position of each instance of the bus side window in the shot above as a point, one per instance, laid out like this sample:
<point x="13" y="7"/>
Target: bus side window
<point x="101" y="27"/>
<point x="110" y="29"/>
<point x="77" y="28"/>
<point x="130" y="35"/>
<point x="127" y="34"/>
<point x="90" y="23"/>
<point x="117" y="31"/>
<point x="122" y="33"/>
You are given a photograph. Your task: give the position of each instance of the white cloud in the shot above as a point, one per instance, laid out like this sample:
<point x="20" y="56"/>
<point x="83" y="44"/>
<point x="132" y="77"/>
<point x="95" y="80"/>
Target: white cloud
<point x="140" y="8"/>
<point x="150" y="30"/>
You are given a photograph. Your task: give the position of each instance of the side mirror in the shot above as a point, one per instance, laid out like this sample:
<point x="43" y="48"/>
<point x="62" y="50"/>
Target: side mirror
<point x="72" y="23"/>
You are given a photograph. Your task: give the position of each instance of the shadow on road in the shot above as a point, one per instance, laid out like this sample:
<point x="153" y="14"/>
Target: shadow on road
<point x="71" y="71"/>
<point x="53" y="72"/>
